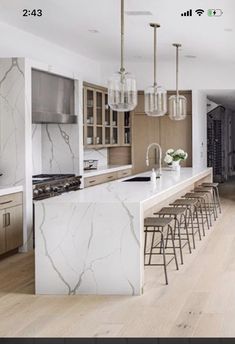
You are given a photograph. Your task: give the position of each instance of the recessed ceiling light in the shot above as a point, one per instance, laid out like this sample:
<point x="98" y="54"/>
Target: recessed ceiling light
<point x="93" y="31"/>
<point x="138" y="13"/>
<point x="228" y="30"/>
<point x="190" y="56"/>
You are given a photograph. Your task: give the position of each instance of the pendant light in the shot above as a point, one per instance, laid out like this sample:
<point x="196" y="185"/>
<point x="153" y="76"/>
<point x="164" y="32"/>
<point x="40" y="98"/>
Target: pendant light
<point x="177" y="103"/>
<point x="155" y="96"/>
<point x="122" y="92"/>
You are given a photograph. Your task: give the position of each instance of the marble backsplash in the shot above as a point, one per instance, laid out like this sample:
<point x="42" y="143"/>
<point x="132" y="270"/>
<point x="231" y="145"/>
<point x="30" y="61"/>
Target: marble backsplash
<point x="55" y="148"/>
<point x="97" y="154"/>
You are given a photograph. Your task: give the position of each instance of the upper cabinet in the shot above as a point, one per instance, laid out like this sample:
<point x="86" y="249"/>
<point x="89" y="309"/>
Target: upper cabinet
<point x="102" y="126"/>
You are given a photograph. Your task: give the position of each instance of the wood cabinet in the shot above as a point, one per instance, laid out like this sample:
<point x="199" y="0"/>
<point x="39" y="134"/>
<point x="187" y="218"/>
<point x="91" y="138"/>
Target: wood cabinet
<point x="168" y="133"/>
<point x="106" y="177"/>
<point x="11" y="222"/>
<point x="102" y="126"/>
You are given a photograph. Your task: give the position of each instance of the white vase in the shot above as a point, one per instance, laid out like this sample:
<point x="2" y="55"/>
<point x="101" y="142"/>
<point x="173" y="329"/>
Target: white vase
<point x="176" y="165"/>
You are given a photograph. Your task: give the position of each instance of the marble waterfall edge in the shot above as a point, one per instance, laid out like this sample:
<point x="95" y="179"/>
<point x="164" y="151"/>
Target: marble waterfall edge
<point x="82" y="249"/>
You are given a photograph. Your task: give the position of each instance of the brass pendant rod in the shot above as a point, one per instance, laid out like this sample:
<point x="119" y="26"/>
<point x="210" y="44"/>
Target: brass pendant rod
<point x="122" y="69"/>
<point x="177" y="45"/>
<point x="155" y="26"/>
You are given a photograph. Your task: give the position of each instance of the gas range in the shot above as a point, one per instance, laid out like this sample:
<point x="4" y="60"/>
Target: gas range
<point x="50" y="185"/>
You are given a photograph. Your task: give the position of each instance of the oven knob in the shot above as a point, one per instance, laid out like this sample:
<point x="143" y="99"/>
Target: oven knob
<point x="55" y="188"/>
<point x="66" y="185"/>
<point x="36" y="192"/>
<point x="40" y="190"/>
<point x="48" y="189"/>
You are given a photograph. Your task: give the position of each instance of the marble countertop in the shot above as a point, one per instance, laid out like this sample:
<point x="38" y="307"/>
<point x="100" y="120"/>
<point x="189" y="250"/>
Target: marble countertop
<point x="105" y="169"/>
<point x="7" y="190"/>
<point x="117" y="191"/>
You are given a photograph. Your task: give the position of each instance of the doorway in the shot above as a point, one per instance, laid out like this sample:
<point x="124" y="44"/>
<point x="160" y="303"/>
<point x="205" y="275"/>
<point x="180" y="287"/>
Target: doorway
<point x="221" y="134"/>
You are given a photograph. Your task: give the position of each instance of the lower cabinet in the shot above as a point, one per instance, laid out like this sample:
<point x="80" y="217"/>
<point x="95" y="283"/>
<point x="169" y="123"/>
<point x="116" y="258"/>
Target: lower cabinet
<point x="11" y="222"/>
<point x="106" y="177"/>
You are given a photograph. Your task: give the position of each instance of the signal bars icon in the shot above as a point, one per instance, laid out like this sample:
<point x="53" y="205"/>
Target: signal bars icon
<point x="187" y="13"/>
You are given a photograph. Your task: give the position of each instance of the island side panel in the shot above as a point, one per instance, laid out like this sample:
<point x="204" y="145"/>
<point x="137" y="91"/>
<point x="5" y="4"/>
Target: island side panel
<point x="88" y="248"/>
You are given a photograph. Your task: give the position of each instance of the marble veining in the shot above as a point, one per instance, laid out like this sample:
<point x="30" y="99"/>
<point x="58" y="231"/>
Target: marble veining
<point x="79" y="268"/>
<point x="55" y="148"/>
<point x="12" y="122"/>
<point x="91" y="241"/>
<point x="60" y="148"/>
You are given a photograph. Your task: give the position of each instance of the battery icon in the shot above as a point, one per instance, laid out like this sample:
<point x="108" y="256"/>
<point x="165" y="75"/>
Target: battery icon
<point x="212" y="12"/>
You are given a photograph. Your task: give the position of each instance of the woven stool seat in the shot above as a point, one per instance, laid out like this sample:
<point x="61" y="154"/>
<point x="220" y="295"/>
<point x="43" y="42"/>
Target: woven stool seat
<point x="171" y="211"/>
<point x="184" y="202"/>
<point x="195" y="194"/>
<point x="215" y="185"/>
<point x="156" y="222"/>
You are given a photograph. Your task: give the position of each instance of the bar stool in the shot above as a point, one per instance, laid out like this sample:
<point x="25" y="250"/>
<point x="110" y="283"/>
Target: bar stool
<point x="192" y="211"/>
<point x="159" y="225"/>
<point x="216" y="190"/>
<point x="201" y="205"/>
<point x="211" y="204"/>
<point x="179" y="216"/>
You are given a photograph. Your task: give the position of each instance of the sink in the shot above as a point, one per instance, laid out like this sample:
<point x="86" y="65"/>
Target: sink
<point x="138" y="179"/>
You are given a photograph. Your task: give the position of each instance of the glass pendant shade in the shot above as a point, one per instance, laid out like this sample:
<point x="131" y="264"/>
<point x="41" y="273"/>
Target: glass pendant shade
<point x="177" y="104"/>
<point x="155" y="101"/>
<point x="177" y="107"/>
<point x="122" y="92"/>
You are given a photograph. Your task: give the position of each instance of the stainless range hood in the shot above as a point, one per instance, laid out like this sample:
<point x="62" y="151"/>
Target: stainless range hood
<point x="52" y="98"/>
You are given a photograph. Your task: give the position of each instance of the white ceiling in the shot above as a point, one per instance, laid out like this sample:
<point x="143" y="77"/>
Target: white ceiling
<point x="66" y="22"/>
<point x="223" y="97"/>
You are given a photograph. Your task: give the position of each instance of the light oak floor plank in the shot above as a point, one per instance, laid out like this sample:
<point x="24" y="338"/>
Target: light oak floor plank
<point x="199" y="300"/>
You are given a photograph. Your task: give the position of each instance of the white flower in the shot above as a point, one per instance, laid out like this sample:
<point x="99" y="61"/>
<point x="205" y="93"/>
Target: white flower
<point x="168" y="159"/>
<point x="179" y="152"/>
<point x="170" y="151"/>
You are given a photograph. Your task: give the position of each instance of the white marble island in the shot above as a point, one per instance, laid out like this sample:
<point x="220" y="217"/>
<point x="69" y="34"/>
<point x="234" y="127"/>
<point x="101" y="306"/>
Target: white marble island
<point x="91" y="241"/>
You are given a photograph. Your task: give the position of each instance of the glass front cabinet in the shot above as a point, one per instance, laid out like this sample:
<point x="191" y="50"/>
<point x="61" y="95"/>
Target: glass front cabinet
<point x="103" y="127"/>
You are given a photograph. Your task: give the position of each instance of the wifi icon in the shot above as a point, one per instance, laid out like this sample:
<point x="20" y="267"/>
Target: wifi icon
<point x="199" y="11"/>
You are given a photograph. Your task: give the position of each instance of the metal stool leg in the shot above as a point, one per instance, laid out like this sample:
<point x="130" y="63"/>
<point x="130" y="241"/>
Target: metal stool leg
<point x="186" y="229"/>
<point x="174" y="250"/>
<point x="164" y="257"/>
<point x="179" y="235"/>
<point x="151" y="249"/>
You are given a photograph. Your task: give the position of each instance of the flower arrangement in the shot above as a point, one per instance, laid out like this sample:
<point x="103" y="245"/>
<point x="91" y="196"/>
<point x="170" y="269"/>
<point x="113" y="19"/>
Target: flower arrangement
<point x="175" y="155"/>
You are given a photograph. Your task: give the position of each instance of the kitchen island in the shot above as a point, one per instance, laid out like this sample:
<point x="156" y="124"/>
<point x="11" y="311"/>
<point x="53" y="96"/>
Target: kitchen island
<point x="91" y="241"/>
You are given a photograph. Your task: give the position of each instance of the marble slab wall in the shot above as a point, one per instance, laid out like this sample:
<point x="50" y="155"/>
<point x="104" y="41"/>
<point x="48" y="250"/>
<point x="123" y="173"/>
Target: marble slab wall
<point x="60" y="148"/>
<point x="97" y="154"/>
<point x="55" y="148"/>
<point x="36" y="149"/>
<point x="12" y="122"/>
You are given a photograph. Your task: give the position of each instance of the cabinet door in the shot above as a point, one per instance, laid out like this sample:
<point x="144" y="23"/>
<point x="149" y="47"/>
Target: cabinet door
<point x="14" y="227"/>
<point x="2" y="232"/>
<point x="145" y="131"/>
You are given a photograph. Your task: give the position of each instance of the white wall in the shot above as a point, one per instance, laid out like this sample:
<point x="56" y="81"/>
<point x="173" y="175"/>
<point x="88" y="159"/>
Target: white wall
<point x="193" y="74"/>
<point x="15" y="42"/>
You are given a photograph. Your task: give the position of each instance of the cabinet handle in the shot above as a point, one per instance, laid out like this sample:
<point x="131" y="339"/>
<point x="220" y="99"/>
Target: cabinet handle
<point x="8" y="219"/>
<point x="6" y="202"/>
<point x="110" y="177"/>
<point x="4" y="220"/>
<point x="92" y="181"/>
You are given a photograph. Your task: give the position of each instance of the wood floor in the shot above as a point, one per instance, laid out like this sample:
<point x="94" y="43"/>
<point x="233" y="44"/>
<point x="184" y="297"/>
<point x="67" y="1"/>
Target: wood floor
<point x="199" y="301"/>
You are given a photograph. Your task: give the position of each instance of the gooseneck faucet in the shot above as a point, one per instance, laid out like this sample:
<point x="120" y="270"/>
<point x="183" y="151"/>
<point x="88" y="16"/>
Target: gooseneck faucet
<point x="154" y="144"/>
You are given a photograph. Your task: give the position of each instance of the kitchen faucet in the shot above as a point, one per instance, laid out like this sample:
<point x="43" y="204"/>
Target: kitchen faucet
<point x="160" y="155"/>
